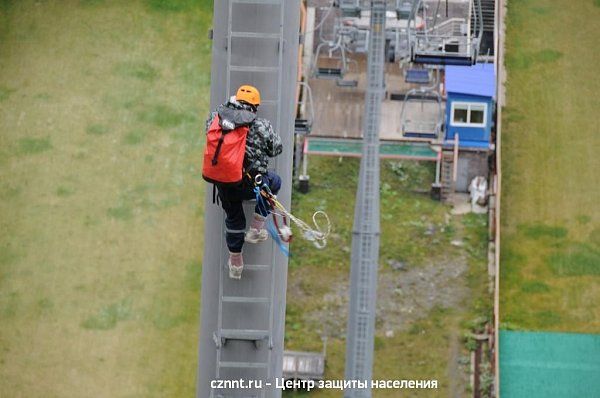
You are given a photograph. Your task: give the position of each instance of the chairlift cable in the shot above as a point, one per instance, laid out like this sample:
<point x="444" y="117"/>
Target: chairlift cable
<point x="320" y="24"/>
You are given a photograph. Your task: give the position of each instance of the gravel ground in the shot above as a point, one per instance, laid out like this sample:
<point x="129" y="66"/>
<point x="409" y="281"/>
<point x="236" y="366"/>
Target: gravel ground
<point x="405" y="294"/>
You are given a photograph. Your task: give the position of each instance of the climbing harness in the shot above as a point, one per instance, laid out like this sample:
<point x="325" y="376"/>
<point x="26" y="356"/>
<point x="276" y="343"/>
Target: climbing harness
<point x="281" y="230"/>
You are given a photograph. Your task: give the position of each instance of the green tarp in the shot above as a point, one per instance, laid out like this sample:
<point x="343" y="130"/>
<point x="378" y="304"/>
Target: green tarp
<point x="345" y="147"/>
<point x="549" y="365"/>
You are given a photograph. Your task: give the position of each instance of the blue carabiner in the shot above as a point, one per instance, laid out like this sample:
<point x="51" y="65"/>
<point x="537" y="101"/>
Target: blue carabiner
<point x="261" y="202"/>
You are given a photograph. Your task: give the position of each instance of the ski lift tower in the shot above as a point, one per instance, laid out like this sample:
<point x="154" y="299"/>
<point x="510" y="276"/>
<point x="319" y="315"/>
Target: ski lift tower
<point x="242" y="321"/>
<point x="365" y="235"/>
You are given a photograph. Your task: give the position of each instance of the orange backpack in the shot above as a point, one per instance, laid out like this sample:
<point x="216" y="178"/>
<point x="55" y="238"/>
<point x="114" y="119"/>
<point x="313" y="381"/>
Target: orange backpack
<point x="224" y="153"/>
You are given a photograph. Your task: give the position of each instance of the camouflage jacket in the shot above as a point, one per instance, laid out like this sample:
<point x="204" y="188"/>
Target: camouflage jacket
<point x="261" y="143"/>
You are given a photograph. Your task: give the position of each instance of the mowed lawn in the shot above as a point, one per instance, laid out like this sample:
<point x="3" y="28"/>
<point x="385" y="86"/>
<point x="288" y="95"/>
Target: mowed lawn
<point x="550" y="258"/>
<point x="101" y="107"/>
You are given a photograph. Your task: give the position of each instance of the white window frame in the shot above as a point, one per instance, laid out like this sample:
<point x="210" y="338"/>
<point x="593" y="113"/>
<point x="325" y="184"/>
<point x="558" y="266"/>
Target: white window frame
<point x="468" y="105"/>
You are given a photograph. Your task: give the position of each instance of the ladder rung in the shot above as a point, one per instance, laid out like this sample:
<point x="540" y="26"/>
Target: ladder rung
<point x="256" y="1"/>
<point x="257" y="267"/>
<point x="246" y="365"/>
<point x="334" y="73"/>
<point x="244" y="334"/>
<point x="302" y="126"/>
<point x="256" y="35"/>
<point x="263" y="69"/>
<point x="250" y="300"/>
<point x="347" y="83"/>
<point x="271" y="102"/>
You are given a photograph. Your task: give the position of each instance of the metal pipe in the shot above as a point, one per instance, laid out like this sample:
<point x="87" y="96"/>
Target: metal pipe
<point x="301" y="48"/>
<point x="455" y="163"/>
<point x="305" y="158"/>
<point x="438" y="167"/>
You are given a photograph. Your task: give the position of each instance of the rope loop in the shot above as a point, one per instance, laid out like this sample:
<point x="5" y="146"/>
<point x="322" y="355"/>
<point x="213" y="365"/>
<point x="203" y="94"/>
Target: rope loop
<point x="268" y="203"/>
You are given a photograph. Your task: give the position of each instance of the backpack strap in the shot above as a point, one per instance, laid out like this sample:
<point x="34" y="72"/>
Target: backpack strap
<point x="215" y="195"/>
<point x="218" y="150"/>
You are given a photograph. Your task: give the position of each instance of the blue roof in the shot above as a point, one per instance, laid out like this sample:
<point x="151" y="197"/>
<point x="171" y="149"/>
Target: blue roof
<point x="479" y="79"/>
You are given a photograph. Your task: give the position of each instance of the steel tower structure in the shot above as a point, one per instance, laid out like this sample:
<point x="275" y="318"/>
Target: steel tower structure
<point x="365" y="234"/>
<point x="242" y="321"/>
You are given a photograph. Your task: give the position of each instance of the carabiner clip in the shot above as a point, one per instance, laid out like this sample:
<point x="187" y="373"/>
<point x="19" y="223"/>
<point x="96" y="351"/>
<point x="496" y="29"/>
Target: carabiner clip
<point x="258" y="179"/>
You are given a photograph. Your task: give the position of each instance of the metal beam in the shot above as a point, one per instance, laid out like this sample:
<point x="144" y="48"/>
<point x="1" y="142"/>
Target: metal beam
<point x="365" y="235"/>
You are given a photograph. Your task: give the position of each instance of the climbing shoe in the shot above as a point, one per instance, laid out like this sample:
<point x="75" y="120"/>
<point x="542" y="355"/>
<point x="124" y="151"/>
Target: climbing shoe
<point x="256" y="235"/>
<point x="236" y="265"/>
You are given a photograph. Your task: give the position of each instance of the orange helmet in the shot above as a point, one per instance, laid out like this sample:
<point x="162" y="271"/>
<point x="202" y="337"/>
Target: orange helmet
<point x="248" y="94"/>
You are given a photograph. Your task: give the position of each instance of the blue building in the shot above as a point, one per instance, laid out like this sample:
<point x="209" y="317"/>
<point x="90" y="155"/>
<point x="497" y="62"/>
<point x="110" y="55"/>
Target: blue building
<point x="471" y="92"/>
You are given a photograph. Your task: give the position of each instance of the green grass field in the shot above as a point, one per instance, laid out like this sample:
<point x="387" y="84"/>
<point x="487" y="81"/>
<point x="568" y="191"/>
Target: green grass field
<point x="550" y="259"/>
<point x="101" y="107"/>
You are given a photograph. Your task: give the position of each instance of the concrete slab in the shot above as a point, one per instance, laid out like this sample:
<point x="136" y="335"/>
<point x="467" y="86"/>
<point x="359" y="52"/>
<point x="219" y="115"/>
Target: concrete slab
<point x="339" y="110"/>
<point x="460" y="202"/>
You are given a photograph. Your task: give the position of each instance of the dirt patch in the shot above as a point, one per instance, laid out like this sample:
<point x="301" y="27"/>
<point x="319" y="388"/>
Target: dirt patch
<point x="403" y="296"/>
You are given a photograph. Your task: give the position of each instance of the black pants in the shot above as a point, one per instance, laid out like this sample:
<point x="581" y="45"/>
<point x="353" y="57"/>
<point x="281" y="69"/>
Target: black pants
<point x="232" y="199"/>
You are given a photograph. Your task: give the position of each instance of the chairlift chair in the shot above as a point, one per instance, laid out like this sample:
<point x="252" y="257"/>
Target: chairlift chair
<point x="396" y="36"/>
<point x="339" y="45"/>
<point x="422" y="125"/>
<point x="353" y="8"/>
<point x="403" y="8"/>
<point x="417" y="76"/>
<point x="398" y="49"/>
<point x="303" y="124"/>
<point x="350" y="8"/>
<point x="453" y="41"/>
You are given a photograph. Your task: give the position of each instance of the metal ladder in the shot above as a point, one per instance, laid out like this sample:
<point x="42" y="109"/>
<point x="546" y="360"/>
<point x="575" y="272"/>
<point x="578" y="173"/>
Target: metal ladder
<point x="266" y="36"/>
<point x="366" y="230"/>
<point x="447" y="174"/>
<point x="244" y="334"/>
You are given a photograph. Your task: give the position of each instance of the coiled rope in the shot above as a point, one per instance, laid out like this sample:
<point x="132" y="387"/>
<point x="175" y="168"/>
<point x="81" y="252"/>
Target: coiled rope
<point x="316" y="234"/>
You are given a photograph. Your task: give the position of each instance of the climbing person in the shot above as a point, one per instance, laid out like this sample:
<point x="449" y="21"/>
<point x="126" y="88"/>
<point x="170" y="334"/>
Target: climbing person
<point x="239" y="145"/>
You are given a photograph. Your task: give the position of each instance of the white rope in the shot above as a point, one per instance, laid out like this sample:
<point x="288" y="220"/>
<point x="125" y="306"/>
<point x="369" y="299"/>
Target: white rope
<point x="316" y="234"/>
